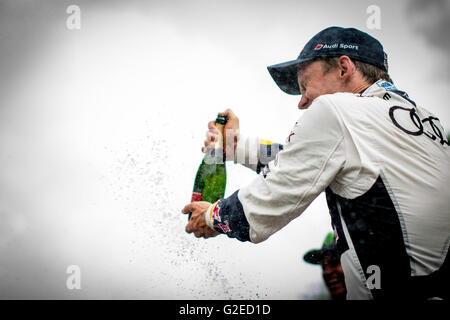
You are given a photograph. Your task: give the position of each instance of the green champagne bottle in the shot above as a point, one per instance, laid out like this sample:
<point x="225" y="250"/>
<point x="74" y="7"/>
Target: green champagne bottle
<point x="211" y="178"/>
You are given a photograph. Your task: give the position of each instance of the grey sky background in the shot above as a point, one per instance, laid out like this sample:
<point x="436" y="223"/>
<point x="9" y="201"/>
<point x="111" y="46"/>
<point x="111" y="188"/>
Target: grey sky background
<point x="101" y="129"/>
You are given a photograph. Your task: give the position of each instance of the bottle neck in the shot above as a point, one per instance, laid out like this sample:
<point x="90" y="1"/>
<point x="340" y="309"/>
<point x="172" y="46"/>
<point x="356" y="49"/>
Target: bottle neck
<point x="218" y="143"/>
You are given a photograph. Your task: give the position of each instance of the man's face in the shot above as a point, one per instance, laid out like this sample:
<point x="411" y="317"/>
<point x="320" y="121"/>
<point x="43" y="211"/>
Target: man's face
<point x="334" y="277"/>
<point x="313" y="82"/>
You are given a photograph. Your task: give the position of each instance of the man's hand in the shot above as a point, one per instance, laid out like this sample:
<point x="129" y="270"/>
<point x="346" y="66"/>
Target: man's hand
<point x="230" y="135"/>
<point x="197" y="223"/>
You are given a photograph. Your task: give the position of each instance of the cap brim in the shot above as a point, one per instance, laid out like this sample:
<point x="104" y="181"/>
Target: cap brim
<point x="285" y="75"/>
<point x="313" y="256"/>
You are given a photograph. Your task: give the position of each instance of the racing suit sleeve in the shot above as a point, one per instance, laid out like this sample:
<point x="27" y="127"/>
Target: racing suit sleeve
<point x="255" y="153"/>
<point x="313" y="155"/>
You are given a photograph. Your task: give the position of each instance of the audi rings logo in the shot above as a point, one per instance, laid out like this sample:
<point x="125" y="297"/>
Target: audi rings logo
<point x="418" y="123"/>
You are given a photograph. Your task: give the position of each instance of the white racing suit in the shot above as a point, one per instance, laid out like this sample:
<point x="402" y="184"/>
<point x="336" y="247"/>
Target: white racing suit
<point x="384" y="164"/>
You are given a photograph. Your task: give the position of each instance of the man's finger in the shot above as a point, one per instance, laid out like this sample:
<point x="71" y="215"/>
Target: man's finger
<point x="208" y="147"/>
<point x="199" y="234"/>
<point x="213" y="130"/>
<point x="212" y="125"/>
<point x="188" y="208"/>
<point x="209" y="144"/>
<point x="190" y="227"/>
<point x="211" y="233"/>
<point x="211" y="136"/>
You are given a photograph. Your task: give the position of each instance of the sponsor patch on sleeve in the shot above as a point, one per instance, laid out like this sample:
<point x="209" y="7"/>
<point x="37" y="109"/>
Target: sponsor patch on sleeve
<point x="227" y="216"/>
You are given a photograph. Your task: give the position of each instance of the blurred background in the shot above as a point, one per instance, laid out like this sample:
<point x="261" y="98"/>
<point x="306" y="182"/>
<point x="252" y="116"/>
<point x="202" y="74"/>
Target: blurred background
<point x="101" y="128"/>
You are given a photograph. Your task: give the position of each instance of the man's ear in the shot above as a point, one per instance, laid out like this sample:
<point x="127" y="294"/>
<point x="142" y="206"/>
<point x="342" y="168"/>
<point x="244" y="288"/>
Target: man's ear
<point x="346" y="67"/>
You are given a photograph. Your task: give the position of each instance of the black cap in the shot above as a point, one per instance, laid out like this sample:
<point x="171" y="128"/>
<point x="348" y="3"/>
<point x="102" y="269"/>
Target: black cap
<point x="331" y="42"/>
<point x="315" y="256"/>
<point x="318" y="255"/>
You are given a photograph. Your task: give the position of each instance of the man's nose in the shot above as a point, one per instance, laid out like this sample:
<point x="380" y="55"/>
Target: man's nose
<point x="304" y="102"/>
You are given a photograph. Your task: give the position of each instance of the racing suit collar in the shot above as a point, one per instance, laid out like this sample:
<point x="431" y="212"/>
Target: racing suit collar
<point x="387" y="91"/>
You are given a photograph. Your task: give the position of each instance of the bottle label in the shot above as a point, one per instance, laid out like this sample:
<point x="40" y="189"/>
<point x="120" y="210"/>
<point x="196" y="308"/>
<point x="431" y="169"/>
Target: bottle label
<point x="196" y="196"/>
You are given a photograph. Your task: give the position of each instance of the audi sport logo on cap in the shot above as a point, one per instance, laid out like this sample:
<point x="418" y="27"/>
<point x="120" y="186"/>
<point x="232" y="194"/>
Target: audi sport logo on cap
<point x="318" y="47"/>
<point x="386" y="61"/>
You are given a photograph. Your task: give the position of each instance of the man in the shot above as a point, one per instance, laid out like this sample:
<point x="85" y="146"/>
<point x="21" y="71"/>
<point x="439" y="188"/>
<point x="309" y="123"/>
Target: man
<point x="328" y="258"/>
<point x="381" y="159"/>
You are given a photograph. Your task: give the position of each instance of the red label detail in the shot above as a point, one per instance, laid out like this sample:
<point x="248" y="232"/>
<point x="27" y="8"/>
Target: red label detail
<point x="318" y="47"/>
<point x="196" y="196"/>
<point x="224" y="227"/>
<point x="215" y="213"/>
